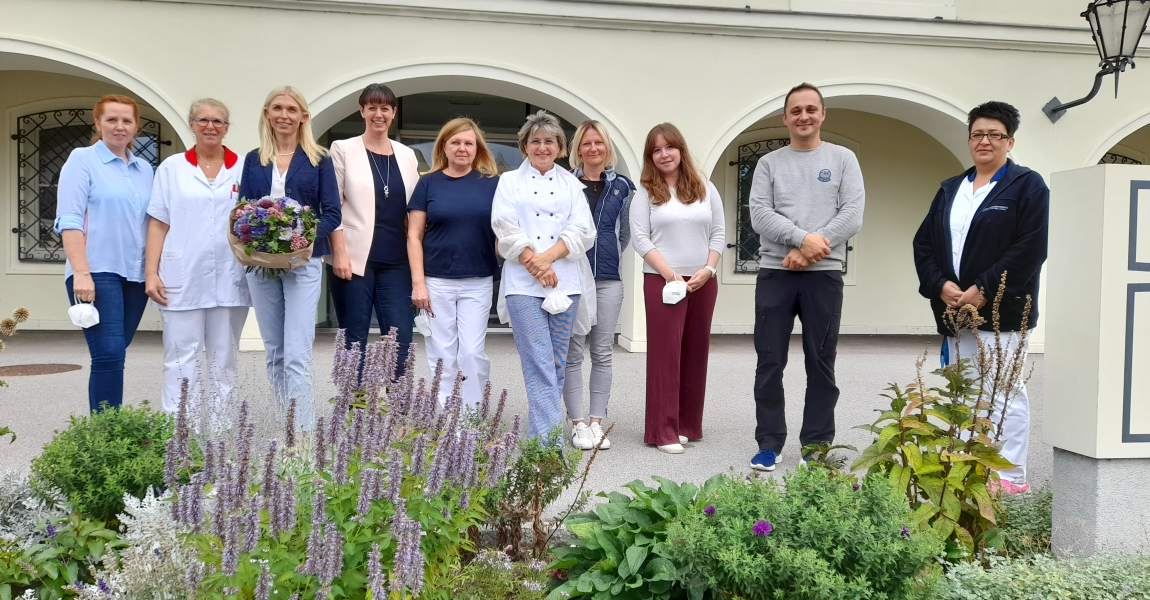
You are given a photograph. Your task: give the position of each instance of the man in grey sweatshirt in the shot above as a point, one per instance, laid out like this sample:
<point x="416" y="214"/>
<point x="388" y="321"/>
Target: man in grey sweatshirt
<point x="806" y="201"/>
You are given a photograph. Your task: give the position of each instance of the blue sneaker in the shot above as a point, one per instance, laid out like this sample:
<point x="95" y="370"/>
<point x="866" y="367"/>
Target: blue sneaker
<point x="765" y="460"/>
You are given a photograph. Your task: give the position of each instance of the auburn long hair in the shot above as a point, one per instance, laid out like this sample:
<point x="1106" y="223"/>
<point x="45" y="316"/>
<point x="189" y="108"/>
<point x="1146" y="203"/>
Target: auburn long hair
<point x="484" y="161"/>
<point x="691" y="186"/>
<point x="98" y="113"/>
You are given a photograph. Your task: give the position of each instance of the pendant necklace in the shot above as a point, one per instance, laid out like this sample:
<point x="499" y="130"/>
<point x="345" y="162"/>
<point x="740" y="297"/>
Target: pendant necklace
<point x="386" y="191"/>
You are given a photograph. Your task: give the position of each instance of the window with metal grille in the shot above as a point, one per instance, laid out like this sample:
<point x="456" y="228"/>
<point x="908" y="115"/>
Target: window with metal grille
<point x="746" y="240"/>
<point x="44" y="140"/>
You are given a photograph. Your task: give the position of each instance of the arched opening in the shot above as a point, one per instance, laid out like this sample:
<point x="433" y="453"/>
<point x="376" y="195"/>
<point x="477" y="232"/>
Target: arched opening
<point x="499" y="110"/>
<point x="47" y="104"/>
<point x="905" y="150"/>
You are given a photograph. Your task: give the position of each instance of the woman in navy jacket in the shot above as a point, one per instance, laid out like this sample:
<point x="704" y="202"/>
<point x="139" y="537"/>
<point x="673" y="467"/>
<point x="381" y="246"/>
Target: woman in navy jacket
<point x="290" y="164"/>
<point x="609" y="197"/>
<point x="990" y="220"/>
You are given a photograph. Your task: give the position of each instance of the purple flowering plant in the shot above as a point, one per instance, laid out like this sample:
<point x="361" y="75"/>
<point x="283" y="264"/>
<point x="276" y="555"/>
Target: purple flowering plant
<point x="384" y="507"/>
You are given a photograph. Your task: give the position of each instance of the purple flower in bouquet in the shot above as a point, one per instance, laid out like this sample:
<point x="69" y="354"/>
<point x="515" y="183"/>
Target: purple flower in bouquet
<point x="266" y="203"/>
<point x="247" y="239"/>
<point x="291" y="203"/>
<point x="243" y="227"/>
<point x="259" y="230"/>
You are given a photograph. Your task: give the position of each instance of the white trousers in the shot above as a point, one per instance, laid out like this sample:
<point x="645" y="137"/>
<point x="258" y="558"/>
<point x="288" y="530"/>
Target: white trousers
<point x="1016" y="427"/>
<point x="458" y="333"/>
<point x="202" y="337"/>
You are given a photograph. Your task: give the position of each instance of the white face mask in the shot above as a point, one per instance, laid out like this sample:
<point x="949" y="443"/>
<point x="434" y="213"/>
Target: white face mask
<point x="423" y="323"/>
<point x="84" y="315"/>
<point x="556" y="302"/>
<point x="674" y="291"/>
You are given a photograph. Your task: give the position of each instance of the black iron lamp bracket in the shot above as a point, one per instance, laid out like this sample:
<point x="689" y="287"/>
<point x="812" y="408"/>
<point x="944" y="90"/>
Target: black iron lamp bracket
<point x="1054" y="109"/>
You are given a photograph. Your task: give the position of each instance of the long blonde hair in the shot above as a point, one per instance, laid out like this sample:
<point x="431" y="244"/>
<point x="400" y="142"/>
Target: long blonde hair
<point x="577" y="140"/>
<point x="306" y="140"/>
<point x="484" y="161"/>
<point x="691" y="186"/>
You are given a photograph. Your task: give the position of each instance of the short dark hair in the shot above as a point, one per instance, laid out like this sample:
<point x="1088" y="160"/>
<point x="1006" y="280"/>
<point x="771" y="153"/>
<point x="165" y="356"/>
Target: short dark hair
<point x="800" y="87"/>
<point x="377" y="93"/>
<point x="999" y="111"/>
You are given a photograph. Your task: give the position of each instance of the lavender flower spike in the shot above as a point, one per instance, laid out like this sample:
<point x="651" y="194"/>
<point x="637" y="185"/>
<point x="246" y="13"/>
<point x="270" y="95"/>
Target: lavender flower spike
<point x="289" y="427"/>
<point x="170" y="458"/>
<point x="269" y="472"/>
<point x="320" y="446"/>
<point x="264" y="584"/>
<point x="375" y="577"/>
<point x="332" y="554"/>
<point x="231" y="556"/>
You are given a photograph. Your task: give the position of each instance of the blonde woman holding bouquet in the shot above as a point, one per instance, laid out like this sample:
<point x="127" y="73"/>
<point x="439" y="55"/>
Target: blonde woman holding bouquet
<point x="368" y="267"/>
<point x="189" y="270"/>
<point x="451" y="248"/>
<point x="289" y="163"/>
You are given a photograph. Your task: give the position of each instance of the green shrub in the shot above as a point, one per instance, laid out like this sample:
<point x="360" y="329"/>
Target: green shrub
<point x="535" y="480"/>
<point x="1103" y="577"/>
<point x="1026" y="526"/>
<point x="816" y="538"/>
<point x="71" y="545"/>
<point x="621" y="548"/>
<point x="493" y="576"/>
<point x="99" y="458"/>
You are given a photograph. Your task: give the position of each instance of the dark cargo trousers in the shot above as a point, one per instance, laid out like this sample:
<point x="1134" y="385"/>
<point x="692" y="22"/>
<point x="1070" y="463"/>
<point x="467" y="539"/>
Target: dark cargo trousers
<point x="817" y="298"/>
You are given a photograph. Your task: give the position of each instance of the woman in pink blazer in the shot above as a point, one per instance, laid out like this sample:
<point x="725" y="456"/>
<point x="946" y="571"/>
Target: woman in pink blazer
<point x="368" y="267"/>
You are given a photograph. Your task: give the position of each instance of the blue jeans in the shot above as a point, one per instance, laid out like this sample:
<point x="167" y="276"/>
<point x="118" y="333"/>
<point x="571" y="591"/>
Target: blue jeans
<point x="386" y="289"/>
<point x="542" y="340"/>
<point x="285" y="310"/>
<point x="121" y="304"/>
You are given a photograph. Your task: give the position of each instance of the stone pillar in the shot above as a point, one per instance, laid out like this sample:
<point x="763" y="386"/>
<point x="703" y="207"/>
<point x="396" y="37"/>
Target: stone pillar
<point x="1097" y="389"/>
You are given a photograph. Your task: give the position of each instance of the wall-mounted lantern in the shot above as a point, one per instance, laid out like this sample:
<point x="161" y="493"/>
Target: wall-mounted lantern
<point x="1117" y="26"/>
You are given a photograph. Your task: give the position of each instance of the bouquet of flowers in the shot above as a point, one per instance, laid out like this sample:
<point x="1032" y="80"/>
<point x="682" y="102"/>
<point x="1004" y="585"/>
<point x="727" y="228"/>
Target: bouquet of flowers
<point x="272" y="234"/>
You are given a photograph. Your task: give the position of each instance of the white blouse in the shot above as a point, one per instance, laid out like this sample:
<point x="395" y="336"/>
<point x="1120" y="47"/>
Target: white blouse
<point x="197" y="266"/>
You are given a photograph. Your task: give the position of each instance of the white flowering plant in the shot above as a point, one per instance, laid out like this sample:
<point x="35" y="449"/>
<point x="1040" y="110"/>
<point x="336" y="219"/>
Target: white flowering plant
<point x="382" y="512"/>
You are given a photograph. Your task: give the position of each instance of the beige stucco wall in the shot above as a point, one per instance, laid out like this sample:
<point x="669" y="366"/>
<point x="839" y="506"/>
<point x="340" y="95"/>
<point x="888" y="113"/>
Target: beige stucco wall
<point x="713" y="73"/>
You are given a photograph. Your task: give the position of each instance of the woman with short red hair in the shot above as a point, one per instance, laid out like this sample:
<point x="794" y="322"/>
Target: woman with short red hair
<point x="677" y="227"/>
<point x="101" y="216"/>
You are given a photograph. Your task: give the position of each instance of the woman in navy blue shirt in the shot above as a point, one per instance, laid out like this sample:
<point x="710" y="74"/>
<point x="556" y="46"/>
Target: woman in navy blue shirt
<point x="289" y="163"/>
<point x="451" y="248"/>
<point x="368" y="265"/>
<point x="100" y="215"/>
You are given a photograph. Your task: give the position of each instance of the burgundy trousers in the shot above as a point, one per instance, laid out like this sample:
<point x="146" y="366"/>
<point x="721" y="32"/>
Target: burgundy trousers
<point x="678" y="344"/>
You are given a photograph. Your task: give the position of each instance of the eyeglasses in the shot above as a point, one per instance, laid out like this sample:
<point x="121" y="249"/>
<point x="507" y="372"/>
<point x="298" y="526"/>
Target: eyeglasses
<point x="994" y="136"/>
<point x="202" y="122"/>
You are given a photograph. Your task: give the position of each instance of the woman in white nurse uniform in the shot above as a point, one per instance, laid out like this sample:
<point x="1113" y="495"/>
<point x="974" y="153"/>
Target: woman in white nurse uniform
<point x="190" y="272"/>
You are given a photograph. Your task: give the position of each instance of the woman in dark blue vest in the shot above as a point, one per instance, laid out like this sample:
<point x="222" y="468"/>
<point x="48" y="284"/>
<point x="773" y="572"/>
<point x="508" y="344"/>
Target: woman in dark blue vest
<point x="609" y="195"/>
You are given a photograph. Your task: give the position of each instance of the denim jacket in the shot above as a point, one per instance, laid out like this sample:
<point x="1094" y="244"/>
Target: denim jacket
<point x="611" y="222"/>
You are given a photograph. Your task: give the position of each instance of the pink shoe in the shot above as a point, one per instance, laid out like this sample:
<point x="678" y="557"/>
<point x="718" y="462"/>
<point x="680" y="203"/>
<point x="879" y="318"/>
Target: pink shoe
<point x="1007" y="486"/>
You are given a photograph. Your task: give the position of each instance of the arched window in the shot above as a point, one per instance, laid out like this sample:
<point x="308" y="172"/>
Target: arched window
<point x="43" y="142"/>
<point x="747" y="243"/>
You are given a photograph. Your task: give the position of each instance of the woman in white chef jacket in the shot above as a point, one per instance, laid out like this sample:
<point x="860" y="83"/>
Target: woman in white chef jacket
<point x="190" y="272"/>
<point x="543" y="225"/>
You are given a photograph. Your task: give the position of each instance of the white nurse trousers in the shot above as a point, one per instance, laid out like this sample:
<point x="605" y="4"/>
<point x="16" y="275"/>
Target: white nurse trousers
<point x="462" y="308"/>
<point x="1016" y="427"/>
<point x="197" y="341"/>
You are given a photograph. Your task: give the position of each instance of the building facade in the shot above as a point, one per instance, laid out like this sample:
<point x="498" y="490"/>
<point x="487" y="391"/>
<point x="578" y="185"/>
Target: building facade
<point x="898" y="76"/>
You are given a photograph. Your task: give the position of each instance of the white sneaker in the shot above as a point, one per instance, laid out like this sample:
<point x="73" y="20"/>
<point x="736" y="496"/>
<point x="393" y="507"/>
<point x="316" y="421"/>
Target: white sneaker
<point x="683" y="439"/>
<point x="581" y="437"/>
<point x="672" y="448"/>
<point x="597" y="435"/>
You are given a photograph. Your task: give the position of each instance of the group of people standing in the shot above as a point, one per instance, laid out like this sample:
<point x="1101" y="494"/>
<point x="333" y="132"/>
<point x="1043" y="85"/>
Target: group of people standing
<point x="395" y="241"/>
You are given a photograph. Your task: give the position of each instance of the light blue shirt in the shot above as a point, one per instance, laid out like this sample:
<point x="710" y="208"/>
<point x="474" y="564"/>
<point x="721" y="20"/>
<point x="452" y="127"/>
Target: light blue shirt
<point x="107" y="199"/>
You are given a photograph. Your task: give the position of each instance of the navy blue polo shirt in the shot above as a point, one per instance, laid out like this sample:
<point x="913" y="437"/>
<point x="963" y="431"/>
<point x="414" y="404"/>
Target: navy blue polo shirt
<point x="459" y="242"/>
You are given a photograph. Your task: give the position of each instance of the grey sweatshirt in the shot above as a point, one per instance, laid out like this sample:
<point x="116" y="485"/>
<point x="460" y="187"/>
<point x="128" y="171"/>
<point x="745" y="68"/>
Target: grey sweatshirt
<point x="796" y="192"/>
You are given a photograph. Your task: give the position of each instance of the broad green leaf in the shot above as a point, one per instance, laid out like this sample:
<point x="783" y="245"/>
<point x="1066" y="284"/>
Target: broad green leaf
<point x="635" y="557"/>
<point x="913" y="455"/>
<point x="659" y="569"/>
<point x="985" y="505"/>
<point x="924" y="513"/>
<point x="951" y="507"/>
<point x="887" y="433"/>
